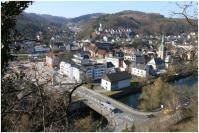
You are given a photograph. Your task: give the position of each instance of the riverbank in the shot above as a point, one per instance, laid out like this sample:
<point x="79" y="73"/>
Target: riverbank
<point x="133" y="89"/>
<point x="179" y="76"/>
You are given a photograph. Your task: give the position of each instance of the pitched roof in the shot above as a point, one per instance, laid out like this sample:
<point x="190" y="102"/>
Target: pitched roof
<point x="138" y="66"/>
<point x="158" y="61"/>
<point x="51" y="54"/>
<point x="127" y="62"/>
<point x="109" y="65"/>
<point x="118" y="76"/>
<point x="92" y="48"/>
<point x="101" y="52"/>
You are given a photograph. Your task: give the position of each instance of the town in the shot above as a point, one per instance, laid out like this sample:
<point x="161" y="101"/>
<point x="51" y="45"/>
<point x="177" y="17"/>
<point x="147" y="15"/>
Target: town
<point x="95" y="60"/>
<point x="117" y="73"/>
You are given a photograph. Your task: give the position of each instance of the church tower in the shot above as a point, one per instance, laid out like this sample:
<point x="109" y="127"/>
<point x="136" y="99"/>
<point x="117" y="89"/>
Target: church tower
<point x="161" y="50"/>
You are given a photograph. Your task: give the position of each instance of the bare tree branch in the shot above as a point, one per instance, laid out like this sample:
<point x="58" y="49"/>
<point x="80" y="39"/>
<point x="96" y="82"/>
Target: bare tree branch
<point x="184" y="13"/>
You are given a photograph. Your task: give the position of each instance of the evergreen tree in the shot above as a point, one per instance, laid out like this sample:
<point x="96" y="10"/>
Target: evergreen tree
<point x="9" y="11"/>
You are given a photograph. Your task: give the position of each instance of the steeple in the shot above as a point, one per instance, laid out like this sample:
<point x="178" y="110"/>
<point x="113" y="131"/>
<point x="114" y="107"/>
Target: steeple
<point x="162" y="43"/>
<point x="161" y="52"/>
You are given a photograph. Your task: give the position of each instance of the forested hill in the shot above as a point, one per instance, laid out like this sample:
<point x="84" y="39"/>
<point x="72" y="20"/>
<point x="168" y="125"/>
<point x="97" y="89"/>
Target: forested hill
<point x="140" y="22"/>
<point x="30" y="24"/>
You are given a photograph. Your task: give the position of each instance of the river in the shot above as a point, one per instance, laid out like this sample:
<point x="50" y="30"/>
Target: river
<point x="188" y="83"/>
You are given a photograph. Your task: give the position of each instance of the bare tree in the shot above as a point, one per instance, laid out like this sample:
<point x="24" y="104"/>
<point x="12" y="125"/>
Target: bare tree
<point x="27" y="106"/>
<point x="188" y="10"/>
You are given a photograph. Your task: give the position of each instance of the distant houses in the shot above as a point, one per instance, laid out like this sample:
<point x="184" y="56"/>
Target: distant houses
<point x="57" y="46"/>
<point x="41" y="49"/>
<point x="114" y="65"/>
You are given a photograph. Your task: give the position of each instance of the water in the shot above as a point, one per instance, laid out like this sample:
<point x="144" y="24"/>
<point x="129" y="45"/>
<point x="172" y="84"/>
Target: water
<point x="188" y="83"/>
<point x="131" y="100"/>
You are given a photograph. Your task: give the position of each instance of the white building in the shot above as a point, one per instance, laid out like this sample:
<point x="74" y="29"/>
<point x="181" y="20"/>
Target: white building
<point x="128" y="57"/>
<point x="42" y="49"/>
<point x="116" y="81"/>
<point x="77" y="74"/>
<point x="81" y="58"/>
<point x="105" y="38"/>
<point x="66" y="68"/>
<point x="139" y="70"/>
<point x="95" y="71"/>
<point x="110" y="67"/>
<point x="138" y="59"/>
<point x="157" y="63"/>
<point x="115" y="61"/>
<point x="82" y="72"/>
<point x="52" y="59"/>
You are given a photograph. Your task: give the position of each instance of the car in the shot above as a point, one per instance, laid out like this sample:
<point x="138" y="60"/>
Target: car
<point x="108" y="102"/>
<point x="116" y="110"/>
<point x="150" y="116"/>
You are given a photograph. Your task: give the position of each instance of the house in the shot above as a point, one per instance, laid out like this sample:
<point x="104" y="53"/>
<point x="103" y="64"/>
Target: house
<point x="94" y="71"/>
<point x="81" y="73"/>
<point x="109" y="67"/>
<point x="128" y="50"/>
<point x="52" y="59"/>
<point x="57" y="46"/>
<point x="139" y="70"/>
<point x="138" y="59"/>
<point x="119" y="54"/>
<point x="126" y="65"/>
<point x="101" y="53"/>
<point x="157" y="63"/>
<point x="81" y="58"/>
<point x="92" y="49"/>
<point x="116" y="81"/>
<point x="117" y="62"/>
<point x="128" y="57"/>
<point x="41" y="49"/>
<point x="101" y="50"/>
<point x="171" y="60"/>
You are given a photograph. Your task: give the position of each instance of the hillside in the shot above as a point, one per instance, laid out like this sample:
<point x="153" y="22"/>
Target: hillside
<point x="85" y="18"/>
<point x="140" y="22"/>
<point x="30" y="24"/>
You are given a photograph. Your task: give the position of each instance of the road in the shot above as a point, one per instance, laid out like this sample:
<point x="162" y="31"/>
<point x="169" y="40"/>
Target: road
<point x="126" y="117"/>
<point x="119" y="115"/>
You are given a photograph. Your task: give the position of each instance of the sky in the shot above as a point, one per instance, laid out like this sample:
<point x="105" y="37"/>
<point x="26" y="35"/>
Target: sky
<point x="70" y="9"/>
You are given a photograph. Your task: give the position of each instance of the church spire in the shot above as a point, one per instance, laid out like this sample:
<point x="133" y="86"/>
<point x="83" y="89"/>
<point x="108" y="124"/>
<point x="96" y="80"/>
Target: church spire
<point x="162" y="48"/>
<point x="162" y="42"/>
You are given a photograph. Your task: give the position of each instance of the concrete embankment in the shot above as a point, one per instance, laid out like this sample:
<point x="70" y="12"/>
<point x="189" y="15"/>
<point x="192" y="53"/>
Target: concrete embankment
<point x="126" y="92"/>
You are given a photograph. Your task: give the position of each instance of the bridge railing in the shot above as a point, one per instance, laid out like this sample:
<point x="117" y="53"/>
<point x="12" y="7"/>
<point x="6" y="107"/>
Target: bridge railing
<point x="124" y="106"/>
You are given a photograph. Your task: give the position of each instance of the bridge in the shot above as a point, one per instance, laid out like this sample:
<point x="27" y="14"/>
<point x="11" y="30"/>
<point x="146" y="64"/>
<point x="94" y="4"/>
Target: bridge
<point x="119" y="115"/>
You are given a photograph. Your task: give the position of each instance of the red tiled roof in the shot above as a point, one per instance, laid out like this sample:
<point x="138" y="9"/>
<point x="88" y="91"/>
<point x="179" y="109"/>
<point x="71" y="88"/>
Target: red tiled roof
<point x="51" y="54"/>
<point x="101" y="52"/>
